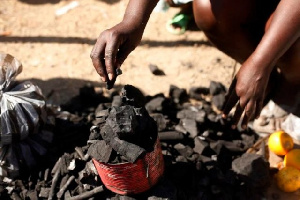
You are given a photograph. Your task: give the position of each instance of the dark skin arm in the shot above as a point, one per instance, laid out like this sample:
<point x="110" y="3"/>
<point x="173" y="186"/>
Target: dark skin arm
<point x="247" y="90"/>
<point x="116" y="43"/>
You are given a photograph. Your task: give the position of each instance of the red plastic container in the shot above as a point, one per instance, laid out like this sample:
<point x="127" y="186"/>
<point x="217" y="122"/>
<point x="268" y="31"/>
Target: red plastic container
<point x="133" y="178"/>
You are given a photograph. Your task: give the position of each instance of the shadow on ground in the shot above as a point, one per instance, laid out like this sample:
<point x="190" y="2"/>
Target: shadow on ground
<point x="37" y="2"/>
<point x="110" y="1"/>
<point x="60" y="91"/>
<point x="91" y="41"/>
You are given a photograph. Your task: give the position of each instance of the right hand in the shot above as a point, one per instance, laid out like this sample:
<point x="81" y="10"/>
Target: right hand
<point x="112" y="48"/>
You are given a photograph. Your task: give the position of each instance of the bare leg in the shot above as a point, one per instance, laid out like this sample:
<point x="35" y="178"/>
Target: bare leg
<point x="236" y="27"/>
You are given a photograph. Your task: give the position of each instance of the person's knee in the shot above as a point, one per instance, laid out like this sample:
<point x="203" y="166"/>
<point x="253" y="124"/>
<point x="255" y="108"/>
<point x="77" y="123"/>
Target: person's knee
<point x="204" y="16"/>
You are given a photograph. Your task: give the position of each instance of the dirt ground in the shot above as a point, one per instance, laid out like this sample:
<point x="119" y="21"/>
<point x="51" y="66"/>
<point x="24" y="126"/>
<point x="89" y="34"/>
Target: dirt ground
<point x="54" y="50"/>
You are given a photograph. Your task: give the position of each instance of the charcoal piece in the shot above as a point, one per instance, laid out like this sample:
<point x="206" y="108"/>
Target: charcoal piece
<point x="116" y="102"/>
<point x="212" y="117"/>
<point x="216" y="88"/>
<point x="191" y="126"/>
<point x="206" y="106"/>
<point x="130" y="151"/>
<point x="44" y="193"/>
<point x="197" y="92"/>
<point x="179" y="95"/>
<point x="248" y="140"/>
<point x="207" y="133"/>
<point x="64" y="163"/>
<point x="253" y="168"/>
<point x="132" y="96"/>
<point x="200" y="145"/>
<point x="14" y="196"/>
<point x="94" y="133"/>
<point x="180" y="129"/>
<point x="199" y="116"/>
<point x="100" y="108"/>
<point x="181" y="159"/>
<point x="110" y="84"/>
<point x="205" y="159"/>
<point x="123" y="121"/>
<point x="100" y="151"/>
<point x="170" y="135"/>
<point x="32" y="195"/>
<point x="102" y="113"/>
<point x="155" y="70"/>
<point x="218" y="100"/>
<point x="233" y="146"/>
<point x="120" y="197"/>
<point x="185" y="151"/>
<point x="155" y="105"/>
<point x="160" y="121"/>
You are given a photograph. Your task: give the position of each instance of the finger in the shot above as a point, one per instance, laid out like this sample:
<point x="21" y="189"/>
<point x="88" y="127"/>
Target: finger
<point x="111" y="50"/>
<point x="231" y="102"/>
<point x="227" y="106"/>
<point x="97" y="56"/>
<point x="238" y="113"/>
<point x="248" y="114"/>
<point x="123" y="53"/>
<point x="259" y="108"/>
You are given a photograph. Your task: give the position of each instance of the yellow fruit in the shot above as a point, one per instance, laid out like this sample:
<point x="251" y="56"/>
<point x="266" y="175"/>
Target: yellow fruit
<point x="280" y="143"/>
<point x="292" y="159"/>
<point x="288" y="179"/>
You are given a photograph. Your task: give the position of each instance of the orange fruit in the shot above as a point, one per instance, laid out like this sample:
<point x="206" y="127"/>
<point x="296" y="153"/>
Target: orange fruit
<point x="288" y="179"/>
<point x="292" y="159"/>
<point x="280" y="143"/>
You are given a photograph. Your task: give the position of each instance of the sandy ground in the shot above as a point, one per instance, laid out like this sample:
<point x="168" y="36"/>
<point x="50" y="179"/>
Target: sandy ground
<point x="54" y="50"/>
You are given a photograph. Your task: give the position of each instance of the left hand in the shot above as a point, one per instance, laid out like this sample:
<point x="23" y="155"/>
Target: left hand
<point x="247" y="92"/>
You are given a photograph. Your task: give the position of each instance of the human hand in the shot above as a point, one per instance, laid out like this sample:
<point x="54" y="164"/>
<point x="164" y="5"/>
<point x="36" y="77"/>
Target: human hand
<point x="247" y="93"/>
<point x="112" y="48"/>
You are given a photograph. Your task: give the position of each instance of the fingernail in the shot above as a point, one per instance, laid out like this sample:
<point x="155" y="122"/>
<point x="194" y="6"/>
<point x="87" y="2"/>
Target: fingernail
<point x="110" y="76"/>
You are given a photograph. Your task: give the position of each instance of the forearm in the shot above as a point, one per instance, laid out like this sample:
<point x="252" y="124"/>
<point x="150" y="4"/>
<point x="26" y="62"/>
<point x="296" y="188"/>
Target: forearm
<point x="138" y="11"/>
<point x="282" y="32"/>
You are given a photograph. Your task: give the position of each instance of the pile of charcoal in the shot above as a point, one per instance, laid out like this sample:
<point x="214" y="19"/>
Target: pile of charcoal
<point x="204" y="158"/>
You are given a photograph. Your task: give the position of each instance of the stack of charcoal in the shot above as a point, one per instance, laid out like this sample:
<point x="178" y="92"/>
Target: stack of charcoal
<point x="204" y="158"/>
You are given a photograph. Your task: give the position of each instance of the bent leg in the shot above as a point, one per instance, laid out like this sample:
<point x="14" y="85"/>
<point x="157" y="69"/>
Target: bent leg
<point x="236" y="27"/>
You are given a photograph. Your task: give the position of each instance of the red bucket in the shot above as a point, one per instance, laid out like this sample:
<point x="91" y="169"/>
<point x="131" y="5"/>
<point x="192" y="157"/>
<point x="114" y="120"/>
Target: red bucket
<point x="132" y="178"/>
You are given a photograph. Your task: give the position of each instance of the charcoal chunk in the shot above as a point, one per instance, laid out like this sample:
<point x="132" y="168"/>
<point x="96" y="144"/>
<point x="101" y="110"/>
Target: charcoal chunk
<point x="197" y="92"/>
<point x="216" y="88"/>
<point x="199" y="116"/>
<point x="160" y="121"/>
<point x="130" y="151"/>
<point x="218" y="100"/>
<point x="200" y="145"/>
<point x="156" y="104"/>
<point x="155" y="70"/>
<point x="123" y="121"/>
<point x="253" y="168"/>
<point x="178" y="95"/>
<point x="170" y="135"/>
<point x="100" y="151"/>
<point x="191" y="126"/>
<point x="132" y="96"/>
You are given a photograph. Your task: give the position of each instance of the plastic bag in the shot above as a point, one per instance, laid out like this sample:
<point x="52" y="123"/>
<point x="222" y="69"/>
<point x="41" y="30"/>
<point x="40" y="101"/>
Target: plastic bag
<point x="291" y="125"/>
<point x="22" y="115"/>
